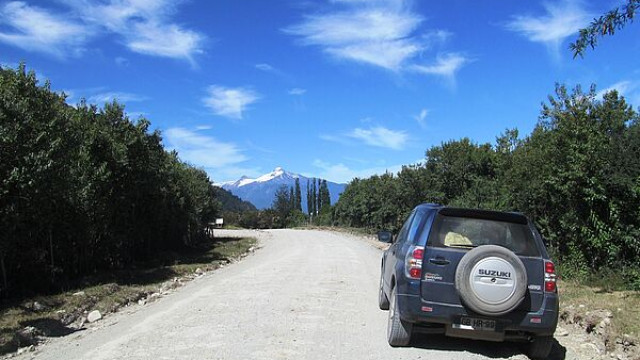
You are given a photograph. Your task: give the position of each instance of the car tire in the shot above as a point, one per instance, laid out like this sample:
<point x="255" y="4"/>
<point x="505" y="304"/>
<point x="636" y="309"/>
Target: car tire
<point x="466" y="285"/>
<point x="540" y="347"/>
<point x="398" y="331"/>
<point x="383" y="300"/>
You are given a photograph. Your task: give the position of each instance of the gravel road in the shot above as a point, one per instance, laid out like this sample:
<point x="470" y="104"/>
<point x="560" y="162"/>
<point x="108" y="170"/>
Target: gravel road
<point x="303" y="295"/>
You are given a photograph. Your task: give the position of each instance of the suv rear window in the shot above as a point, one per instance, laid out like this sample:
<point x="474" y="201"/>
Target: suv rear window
<point x="467" y="233"/>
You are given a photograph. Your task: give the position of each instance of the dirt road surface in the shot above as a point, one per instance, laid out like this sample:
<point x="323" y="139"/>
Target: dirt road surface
<point x="303" y="295"/>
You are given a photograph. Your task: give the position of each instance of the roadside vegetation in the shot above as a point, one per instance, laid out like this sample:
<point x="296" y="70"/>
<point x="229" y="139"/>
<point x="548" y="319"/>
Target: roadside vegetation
<point x="286" y="210"/>
<point x="85" y="190"/>
<point x="577" y="175"/>
<point x="24" y="321"/>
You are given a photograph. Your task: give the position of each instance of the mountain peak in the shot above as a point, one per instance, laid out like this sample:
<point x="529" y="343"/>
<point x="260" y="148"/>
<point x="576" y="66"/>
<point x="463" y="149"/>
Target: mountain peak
<point x="260" y="191"/>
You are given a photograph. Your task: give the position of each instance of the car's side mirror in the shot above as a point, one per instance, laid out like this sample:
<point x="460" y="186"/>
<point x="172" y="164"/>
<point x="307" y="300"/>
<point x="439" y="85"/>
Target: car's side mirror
<point x="385" y="236"/>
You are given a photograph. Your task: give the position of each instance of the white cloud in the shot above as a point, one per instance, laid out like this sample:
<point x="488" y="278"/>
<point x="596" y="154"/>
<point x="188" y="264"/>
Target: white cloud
<point x="202" y="150"/>
<point x="562" y="19"/>
<point x="170" y="41"/>
<point x="446" y="65"/>
<point x="627" y="88"/>
<point x="381" y="33"/>
<point x="229" y="102"/>
<point x="121" y="97"/>
<point x="375" y="36"/>
<point x="377" y="136"/>
<point x="265" y="67"/>
<point x="621" y="86"/>
<point x="145" y="26"/>
<point x="381" y="137"/>
<point x="35" y="29"/>
<point x="343" y="174"/>
<point x="297" y="91"/>
<point x="420" y="118"/>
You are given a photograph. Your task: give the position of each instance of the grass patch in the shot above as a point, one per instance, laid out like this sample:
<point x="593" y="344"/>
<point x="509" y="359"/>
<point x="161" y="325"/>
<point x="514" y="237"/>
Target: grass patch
<point x="623" y="304"/>
<point x="52" y="315"/>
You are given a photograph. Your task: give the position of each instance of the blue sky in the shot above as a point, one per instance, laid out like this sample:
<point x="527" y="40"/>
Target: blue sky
<point x="328" y="88"/>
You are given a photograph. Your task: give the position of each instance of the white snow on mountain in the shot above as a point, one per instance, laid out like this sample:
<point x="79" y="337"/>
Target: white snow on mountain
<point x="261" y="191"/>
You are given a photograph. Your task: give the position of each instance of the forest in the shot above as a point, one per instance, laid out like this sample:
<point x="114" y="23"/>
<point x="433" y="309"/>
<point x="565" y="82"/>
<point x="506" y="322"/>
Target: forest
<point x="577" y="175"/>
<point x="84" y="189"/>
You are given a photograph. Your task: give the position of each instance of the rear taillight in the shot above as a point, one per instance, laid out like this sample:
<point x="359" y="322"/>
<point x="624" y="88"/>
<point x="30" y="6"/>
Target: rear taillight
<point x="549" y="277"/>
<point x="413" y="262"/>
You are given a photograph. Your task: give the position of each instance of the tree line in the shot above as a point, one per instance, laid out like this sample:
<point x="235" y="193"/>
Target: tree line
<point x="286" y="209"/>
<point x="577" y="175"/>
<point x="84" y="189"/>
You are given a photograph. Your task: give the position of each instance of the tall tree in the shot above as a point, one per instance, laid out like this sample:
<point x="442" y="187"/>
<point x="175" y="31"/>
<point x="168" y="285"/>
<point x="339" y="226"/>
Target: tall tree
<point x="282" y="205"/>
<point x="309" y="202"/>
<point x="298" y="196"/>
<point x="314" y="198"/>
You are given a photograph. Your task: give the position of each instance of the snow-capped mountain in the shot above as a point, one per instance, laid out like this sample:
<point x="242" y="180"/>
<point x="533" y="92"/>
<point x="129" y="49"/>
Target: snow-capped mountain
<point x="261" y="191"/>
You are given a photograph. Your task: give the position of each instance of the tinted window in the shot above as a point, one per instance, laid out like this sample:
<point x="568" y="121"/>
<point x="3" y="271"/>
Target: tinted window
<point x="416" y="225"/>
<point x="467" y="233"/>
<point x="405" y="228"/>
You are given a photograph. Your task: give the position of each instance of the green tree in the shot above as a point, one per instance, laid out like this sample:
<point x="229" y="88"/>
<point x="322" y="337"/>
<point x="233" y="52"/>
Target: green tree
<point x="282" y="206"/>
<point x="606" y="24"/>
<point x="298" y="196"/>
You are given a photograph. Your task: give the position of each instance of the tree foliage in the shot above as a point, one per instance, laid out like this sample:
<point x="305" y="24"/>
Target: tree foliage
<point x="85" y="189"/>
<point x="577" y="175"/>
<point x="606" y="24"/>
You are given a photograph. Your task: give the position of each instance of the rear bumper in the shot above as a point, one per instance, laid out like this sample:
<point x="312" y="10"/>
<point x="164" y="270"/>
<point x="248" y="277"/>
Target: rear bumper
<point x="540" y="323"/>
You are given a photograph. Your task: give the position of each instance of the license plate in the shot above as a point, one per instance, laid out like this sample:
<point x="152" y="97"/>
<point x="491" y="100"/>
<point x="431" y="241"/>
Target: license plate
<point x="470" y="323"/>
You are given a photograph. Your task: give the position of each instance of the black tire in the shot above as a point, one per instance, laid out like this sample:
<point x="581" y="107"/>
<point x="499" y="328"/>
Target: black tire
<point x="383" y="300"/>
<point x="398" y="331"/>
<point x="471" y="299"/>
<point x="540" y="347"/>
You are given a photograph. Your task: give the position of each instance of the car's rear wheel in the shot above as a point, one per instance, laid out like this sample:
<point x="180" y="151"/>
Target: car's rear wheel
<point x="383" y="300"/>
<point x="540" y="347"/>
<point x="398" y="331"/>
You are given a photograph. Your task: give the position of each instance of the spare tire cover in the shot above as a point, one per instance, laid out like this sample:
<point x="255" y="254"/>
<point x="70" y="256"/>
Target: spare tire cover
<point x="491" y="280"/>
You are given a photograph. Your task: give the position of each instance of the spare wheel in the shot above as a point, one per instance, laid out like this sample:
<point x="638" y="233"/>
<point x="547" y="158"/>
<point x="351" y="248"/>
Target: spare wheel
<point x="491" y="280"/>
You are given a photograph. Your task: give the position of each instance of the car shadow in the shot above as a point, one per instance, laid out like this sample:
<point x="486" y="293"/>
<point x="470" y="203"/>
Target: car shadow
<point x="494" y="350"/>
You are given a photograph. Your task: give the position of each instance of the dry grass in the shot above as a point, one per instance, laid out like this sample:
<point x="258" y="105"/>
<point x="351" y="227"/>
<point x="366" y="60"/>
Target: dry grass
<point x="624" y="305"/>
<point x="107" y="292"/>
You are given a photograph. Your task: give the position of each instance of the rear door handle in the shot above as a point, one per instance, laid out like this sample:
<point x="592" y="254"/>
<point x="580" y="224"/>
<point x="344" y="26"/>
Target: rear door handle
<point x="439" y="261"/>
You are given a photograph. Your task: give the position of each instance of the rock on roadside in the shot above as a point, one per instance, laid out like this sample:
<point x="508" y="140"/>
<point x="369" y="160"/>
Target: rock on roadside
<point x="94" y="316"/>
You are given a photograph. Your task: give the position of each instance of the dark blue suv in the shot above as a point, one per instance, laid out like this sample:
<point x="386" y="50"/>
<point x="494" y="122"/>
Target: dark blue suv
<point x="469" y="273"/>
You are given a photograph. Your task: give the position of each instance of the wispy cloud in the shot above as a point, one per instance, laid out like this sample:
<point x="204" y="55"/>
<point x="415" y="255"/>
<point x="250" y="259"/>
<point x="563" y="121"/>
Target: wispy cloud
<point x="421" y="118"/>
<point x="202" y="150"/>
<point x="379" y="33"/>
<point x="229" y="102"/>
<point x="377" y="136"/>
<point x="341" y="173"/>
<point x="627" y="88"/>
<point x="144" y="25"/>
<point x="381" y="137"/>
<point x="297" y="91"/>
<point x="446" y="65"/>
<point x="561" y="20"/>
<point x="34" y="29"/>
<point x="121" y="97"/>
<point x="265" y="67"/>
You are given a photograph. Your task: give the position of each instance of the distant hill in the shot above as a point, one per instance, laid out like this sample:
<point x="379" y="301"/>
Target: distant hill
<point x="231" y="202"/>
<point x="261" y="191"/>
